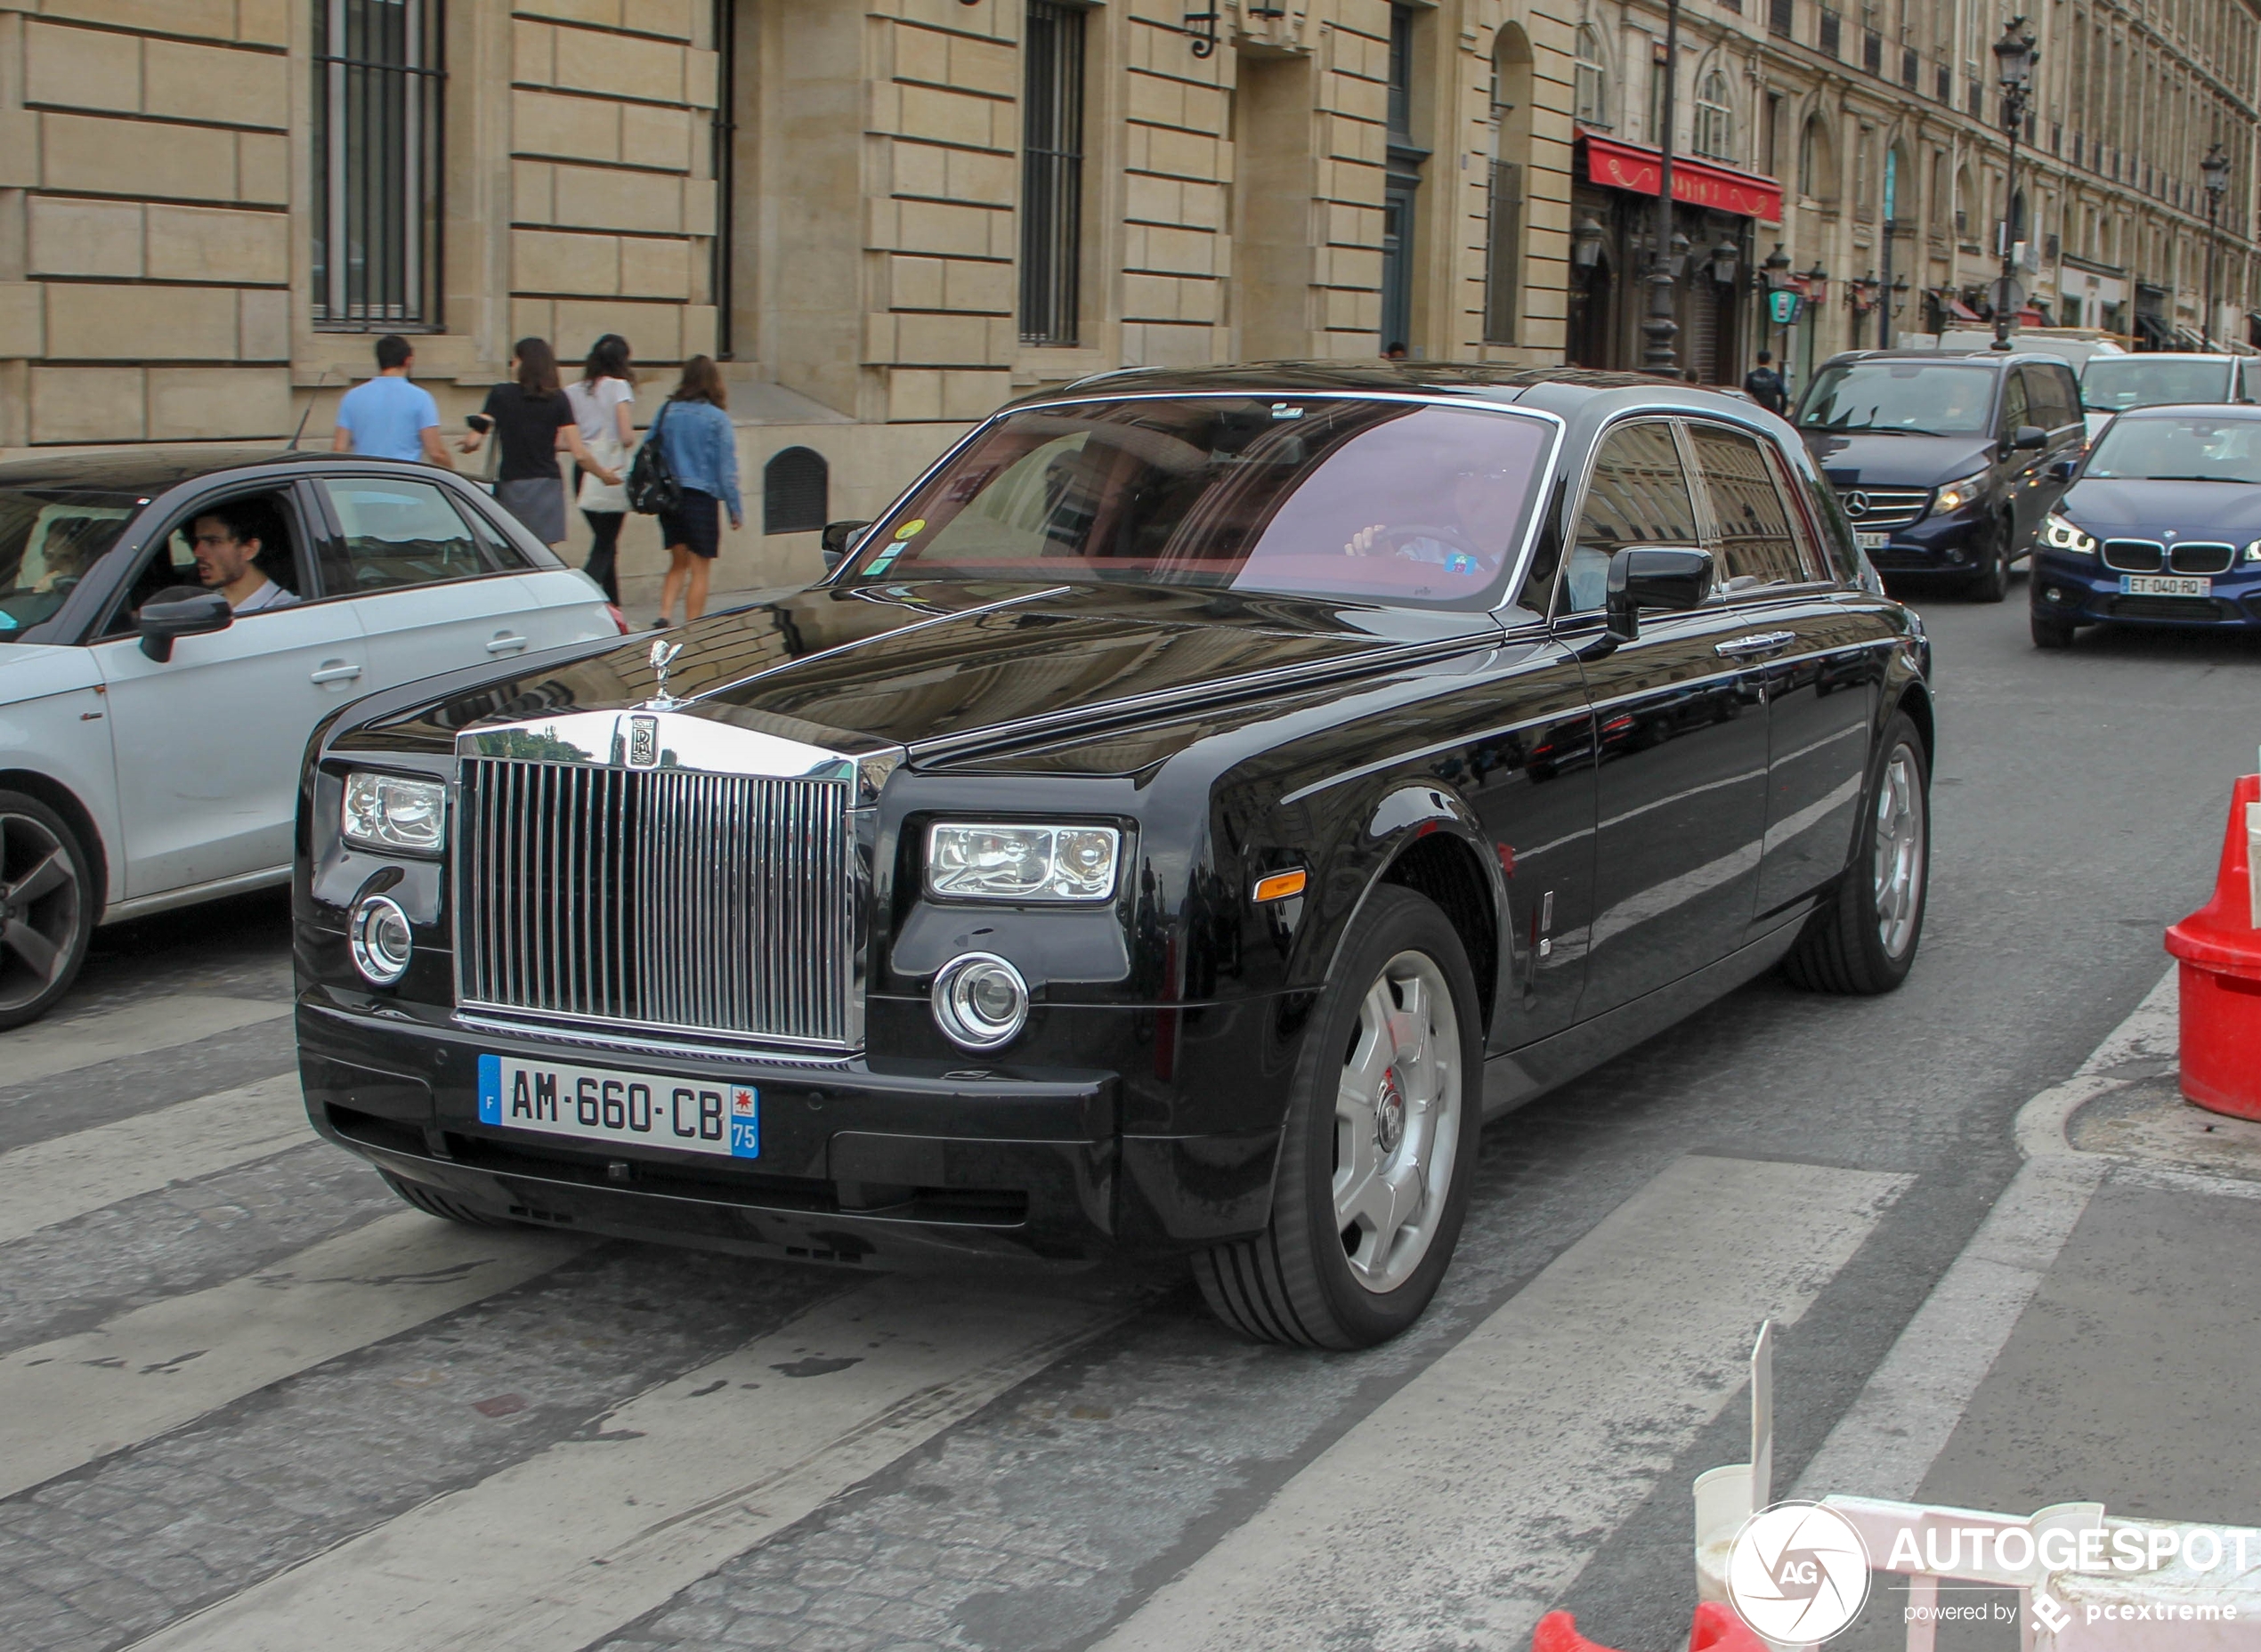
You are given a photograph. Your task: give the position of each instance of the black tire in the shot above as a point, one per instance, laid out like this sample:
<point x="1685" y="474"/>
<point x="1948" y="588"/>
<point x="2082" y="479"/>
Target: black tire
<point x="1845" y="946"/>
<point x="1296" y="1282"/>
<point x="47" y="905"/>
<point x="2050" y="630"/>
<point x="431" y="1202"/>
<point x="1992" y="582"/>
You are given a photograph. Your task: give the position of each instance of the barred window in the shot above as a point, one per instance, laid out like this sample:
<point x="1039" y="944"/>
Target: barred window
<point x="1051" y="174"/>
<point x="795" y="486"/>
<point x="1503" y="260"/>
<point x="378" y="75"/>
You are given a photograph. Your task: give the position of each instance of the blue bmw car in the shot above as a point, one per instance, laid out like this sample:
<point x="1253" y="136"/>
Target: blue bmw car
<point x="2160" y="527"/>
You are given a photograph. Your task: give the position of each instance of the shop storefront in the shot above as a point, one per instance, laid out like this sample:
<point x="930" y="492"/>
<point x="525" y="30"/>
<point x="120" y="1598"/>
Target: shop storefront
<point x="1613" y="227"/>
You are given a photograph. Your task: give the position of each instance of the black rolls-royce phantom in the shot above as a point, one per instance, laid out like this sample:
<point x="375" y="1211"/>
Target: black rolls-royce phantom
<point x="1176" y="825"/>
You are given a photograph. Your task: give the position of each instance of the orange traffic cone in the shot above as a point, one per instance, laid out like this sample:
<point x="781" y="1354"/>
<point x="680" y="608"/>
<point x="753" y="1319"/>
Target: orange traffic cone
<point x="1558" y="1631"/>
<point x="1717" y="1629"/>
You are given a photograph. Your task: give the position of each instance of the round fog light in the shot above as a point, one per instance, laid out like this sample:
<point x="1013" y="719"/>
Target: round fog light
<point x="382" y="944"/>
<point x="980" y="1001"/>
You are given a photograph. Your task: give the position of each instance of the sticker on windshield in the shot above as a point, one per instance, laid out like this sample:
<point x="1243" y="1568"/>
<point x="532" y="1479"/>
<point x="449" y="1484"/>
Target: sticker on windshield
<point x="880" y="564"/>
<point x="912" y="530"/>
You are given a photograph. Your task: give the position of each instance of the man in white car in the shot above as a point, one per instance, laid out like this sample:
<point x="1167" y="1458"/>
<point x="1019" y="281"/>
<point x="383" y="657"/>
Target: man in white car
<point x="227" y="547"/>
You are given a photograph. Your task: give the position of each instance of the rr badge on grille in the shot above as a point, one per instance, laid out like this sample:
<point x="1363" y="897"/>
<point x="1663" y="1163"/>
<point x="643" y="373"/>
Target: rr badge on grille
<point x="644" y="742"/>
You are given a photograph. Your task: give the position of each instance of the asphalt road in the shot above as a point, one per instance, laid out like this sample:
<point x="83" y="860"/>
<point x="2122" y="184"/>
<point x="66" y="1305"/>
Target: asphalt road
<point x="296" y="1414"/>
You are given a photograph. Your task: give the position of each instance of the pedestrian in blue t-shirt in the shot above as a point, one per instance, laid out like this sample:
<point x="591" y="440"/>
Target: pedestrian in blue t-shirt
<point x="388" y="417"/>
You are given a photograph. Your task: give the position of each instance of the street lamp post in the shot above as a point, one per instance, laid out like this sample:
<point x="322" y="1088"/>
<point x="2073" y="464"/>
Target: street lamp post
<point x="2015" y="58"/>
<point x="2215" y="169"/>
<point x="1659" y="357"/>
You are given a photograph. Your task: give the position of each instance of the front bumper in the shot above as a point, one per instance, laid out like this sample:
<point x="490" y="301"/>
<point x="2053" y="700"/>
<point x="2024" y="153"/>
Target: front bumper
<point x="2083" y="590"/>
<point x="898" y="1164"/>
<point x="1949" y="543"/>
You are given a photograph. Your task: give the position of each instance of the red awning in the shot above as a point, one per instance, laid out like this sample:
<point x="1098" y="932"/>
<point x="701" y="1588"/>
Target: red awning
<point x="1701" y="183"/>
<point x="1961" y="312"/>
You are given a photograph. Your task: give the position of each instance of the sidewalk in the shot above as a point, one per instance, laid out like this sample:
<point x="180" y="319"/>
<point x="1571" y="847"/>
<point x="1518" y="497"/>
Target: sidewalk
<point x="2096" y="1340"/>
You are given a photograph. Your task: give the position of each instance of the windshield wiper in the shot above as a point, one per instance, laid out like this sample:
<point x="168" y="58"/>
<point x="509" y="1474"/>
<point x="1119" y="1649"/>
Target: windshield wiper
<point x="2242" y="481"/>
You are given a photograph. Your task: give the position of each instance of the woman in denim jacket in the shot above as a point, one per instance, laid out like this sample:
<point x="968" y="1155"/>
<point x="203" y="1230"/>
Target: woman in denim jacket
<point x="701" y="449"/>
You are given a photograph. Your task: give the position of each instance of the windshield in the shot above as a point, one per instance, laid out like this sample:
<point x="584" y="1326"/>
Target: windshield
<point x="2158" y="447"/>
<point x="2112" y="383"/>
<point x="49" y="539"/>
<point x="1901" y="398"/>
<point x="1397" y="501"/>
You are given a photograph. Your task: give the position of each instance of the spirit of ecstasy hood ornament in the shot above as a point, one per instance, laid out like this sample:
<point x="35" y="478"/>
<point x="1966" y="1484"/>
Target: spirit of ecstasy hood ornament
<point x="663" y="654"/>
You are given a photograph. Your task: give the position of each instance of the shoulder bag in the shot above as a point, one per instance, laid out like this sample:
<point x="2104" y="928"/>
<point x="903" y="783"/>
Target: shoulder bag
<point x="652" y="489"/>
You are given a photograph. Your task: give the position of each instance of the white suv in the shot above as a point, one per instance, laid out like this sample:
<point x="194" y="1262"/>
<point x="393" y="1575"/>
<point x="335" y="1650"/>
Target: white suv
<point x="149" y="738"/>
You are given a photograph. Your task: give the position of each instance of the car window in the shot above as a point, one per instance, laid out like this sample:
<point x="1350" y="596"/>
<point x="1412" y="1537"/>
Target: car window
<point x="1900" y="397"/>
<point x="394" y="531"/>
<point x="2045" y="393"/>
<point x="500" y="556"/>
<point x="169" y="564"/>
<point x="49" y="540"/>
<point x="2249" y="375"/>
<point x="1638" y="495"/>
<point x="1755" y="547"/>
<point x="2016" y="409"/>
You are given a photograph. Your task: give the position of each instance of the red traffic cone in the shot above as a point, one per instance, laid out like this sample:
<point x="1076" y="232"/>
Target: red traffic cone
<point x="2219" y="950"/>
<point x="1558" y="1631"/>
<point x="1717" y="1629"/>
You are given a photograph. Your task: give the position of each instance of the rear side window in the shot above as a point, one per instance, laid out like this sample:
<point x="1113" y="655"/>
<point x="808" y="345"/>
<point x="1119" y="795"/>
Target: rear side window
<point x="1756" y="547"/>
<point x="2249" y="377"/>
<point x="2051" y="397"/>
<point x="1638" y="495"/>
<point x="396" y="532"/>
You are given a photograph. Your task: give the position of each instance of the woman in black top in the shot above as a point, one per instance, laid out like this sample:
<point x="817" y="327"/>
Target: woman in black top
<point x="533" y="419"/>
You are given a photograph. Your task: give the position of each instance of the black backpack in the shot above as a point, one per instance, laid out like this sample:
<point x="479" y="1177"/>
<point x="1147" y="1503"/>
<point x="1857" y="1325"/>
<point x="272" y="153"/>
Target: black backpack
<point x="652" y="489"/>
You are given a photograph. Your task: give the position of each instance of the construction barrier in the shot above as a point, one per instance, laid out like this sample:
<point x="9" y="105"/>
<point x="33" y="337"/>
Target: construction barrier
<point x="2219" y="949"/>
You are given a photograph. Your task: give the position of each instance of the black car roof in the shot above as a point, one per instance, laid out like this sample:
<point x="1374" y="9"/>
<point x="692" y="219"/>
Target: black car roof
<point x="1966" y="358"/>
<point x="146" y="472"/>
<point x="1555" y="387"/>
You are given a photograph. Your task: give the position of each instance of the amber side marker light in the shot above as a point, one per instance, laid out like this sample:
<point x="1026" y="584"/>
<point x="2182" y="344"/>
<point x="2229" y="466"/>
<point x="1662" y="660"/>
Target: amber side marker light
<point x="1279" y="886"/>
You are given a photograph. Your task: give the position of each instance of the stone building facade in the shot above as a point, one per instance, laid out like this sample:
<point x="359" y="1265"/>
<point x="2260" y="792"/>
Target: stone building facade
<point x="887" y="216"/>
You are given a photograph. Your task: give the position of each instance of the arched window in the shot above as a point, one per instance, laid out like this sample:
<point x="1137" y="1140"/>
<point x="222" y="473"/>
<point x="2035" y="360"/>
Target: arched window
<point x="795" y="488"/>
<point x="1588" y="104"/>
<point x="1817" y="161"/>
<point x="1715" y="120"/>
<point x="1511" y="89"/>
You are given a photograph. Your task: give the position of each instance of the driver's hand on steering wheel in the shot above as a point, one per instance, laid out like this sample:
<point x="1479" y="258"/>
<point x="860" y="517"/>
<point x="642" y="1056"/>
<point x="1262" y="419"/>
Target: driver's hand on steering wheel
<point x="1366" y="541"/>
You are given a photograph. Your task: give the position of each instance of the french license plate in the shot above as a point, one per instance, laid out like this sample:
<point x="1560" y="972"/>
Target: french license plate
<point x="2164" y="585"/>
<point x="620" y="1109"/>
<point x="1873" y="541"/>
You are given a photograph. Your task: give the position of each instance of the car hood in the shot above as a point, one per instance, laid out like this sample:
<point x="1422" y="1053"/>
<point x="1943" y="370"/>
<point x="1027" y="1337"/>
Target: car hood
<point x="2157" y="510"/>
<point x="1887" y="461"/>
<point x="941" y="667"/>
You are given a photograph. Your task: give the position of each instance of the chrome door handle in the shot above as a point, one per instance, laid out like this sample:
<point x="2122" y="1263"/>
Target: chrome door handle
<point x="1757" y="642"/>
<point x="336" y="671"/>
<point x="505" y="644"/>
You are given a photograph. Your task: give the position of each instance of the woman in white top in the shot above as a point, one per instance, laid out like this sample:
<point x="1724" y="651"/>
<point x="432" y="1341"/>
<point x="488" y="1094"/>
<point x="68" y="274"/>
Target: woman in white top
<point x="601" y="404"/>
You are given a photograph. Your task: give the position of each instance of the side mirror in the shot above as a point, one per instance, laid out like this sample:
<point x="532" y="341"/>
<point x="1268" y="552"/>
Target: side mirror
<point x="2062" y="471"/>
<point x="2028" y="439"/>
<point x="840" y="539"/>
<point x="1671" y="577"/>
<point x="172" y="616"/>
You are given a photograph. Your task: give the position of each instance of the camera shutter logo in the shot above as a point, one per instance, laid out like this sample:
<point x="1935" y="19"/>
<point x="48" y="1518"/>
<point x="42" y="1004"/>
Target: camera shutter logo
<point x="1798" y="1572"/>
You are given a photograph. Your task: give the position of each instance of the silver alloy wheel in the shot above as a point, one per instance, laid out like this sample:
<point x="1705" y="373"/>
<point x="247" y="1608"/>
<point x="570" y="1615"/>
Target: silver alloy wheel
<point x="39" y="897"/>
<point x="1397" y="1121"/>
<point x="1899" y="867"/>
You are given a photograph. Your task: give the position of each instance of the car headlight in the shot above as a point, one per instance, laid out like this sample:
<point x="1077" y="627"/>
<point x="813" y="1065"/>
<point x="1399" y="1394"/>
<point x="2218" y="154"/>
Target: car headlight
<point x="982" y="862"/>
<point x="392" y="812"/>
<point x="1956" y="495"/>
<point x="2060" y="533"/>
<point x="2253" y="552"/>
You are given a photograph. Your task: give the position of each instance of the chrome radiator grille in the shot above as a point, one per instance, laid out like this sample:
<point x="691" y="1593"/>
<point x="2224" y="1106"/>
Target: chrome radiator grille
<point x="656" y="899"/>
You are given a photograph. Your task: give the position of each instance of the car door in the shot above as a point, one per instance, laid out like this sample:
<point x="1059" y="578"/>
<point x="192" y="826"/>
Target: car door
<point x="432" y="593"/>
<point x="206" y="744"/>
<point x="1681" y="736"/>
<point x="1822" y="665"/>
<point x="2055" y="396"/>
<point x="2024" y="471"/>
